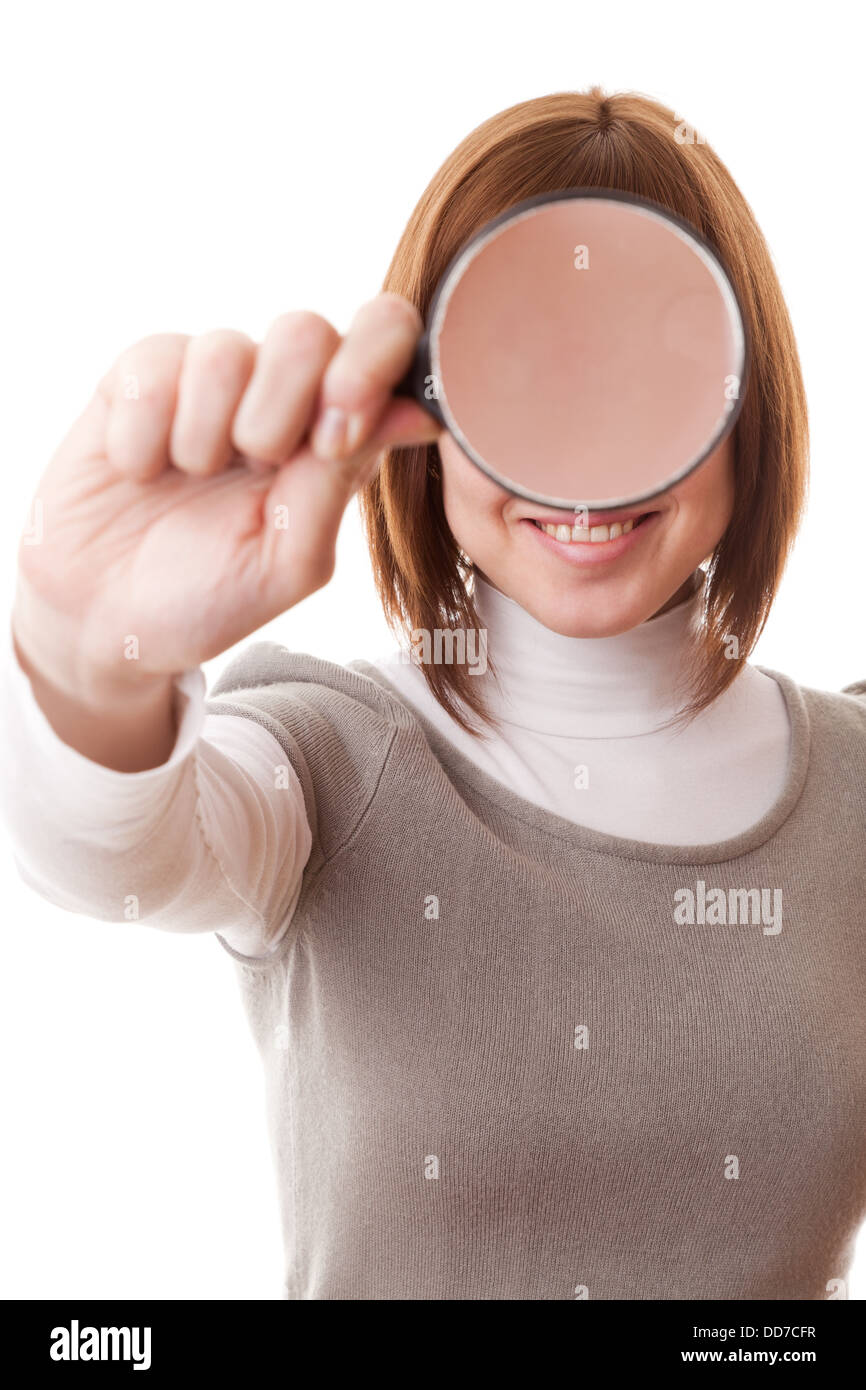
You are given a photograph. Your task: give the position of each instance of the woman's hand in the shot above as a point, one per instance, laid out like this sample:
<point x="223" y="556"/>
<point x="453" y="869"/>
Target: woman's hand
<point x="199" y="495"/>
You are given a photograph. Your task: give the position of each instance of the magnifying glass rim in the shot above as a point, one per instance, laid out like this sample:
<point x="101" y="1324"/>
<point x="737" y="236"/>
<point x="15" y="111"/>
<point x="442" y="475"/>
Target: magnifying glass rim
<point x="517" y="213"/>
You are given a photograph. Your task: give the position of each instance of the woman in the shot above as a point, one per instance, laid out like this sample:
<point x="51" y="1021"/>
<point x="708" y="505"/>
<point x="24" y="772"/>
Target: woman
<point x="554" y="962"/>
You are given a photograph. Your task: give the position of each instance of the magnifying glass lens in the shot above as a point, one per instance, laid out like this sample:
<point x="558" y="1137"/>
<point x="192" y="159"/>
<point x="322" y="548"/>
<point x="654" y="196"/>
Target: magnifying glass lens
<point x="589" y="351"/>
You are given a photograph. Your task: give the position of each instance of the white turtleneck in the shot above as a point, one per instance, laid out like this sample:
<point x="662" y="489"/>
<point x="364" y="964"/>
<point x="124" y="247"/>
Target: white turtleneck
<point x="579" y="727"/>
<point x="578" y="733"/>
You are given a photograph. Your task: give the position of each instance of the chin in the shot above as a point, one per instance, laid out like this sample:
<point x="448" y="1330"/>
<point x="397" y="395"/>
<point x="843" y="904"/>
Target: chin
<point x="586" y="614"/>
<point x="571" y="624"/>
<point x="574" y="617"/>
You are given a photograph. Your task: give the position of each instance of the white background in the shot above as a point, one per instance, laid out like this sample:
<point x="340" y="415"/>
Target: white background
<point x="188" y="166"/>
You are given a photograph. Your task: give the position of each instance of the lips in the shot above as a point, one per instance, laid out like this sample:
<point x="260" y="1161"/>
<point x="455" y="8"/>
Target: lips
<point x="586" y="551"/>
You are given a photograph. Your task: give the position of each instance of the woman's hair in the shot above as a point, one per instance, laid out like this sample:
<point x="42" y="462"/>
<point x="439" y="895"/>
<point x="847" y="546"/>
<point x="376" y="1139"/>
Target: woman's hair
<point x="629" y="143"/>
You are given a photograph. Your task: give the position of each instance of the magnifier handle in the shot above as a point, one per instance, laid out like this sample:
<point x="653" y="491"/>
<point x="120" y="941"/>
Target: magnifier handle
<point x="419" y="383"/>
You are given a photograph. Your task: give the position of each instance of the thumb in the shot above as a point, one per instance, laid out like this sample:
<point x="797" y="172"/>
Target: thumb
<point x="307" y="498"/>
<point x="402" y="423"/>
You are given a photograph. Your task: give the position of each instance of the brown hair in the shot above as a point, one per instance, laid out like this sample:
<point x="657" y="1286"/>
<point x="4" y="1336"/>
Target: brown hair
<point x="629" y="143"/>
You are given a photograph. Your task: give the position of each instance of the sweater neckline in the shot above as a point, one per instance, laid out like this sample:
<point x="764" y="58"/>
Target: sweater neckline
<point x="461" y="768"/>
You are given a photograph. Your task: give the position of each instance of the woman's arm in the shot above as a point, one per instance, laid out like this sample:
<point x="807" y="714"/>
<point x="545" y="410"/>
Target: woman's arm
<point x="215" y="838"/>
<point x="197" y="497"/>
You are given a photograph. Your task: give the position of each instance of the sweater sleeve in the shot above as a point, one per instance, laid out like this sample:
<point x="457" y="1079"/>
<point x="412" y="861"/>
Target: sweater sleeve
<point x="213" y="840"/>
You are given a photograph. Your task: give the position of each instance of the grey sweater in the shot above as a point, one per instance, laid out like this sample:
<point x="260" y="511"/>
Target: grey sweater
<point x="508" y="1057"/>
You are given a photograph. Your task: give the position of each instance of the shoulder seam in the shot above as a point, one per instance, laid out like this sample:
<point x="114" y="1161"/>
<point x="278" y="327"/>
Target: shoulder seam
<point x="289" y="939"/>
<point x="367" y="805"/>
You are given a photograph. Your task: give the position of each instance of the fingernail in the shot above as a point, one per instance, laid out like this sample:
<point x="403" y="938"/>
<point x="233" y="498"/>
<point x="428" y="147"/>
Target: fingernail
<point x="355" y="427"/>
<point x="330" y="433"/>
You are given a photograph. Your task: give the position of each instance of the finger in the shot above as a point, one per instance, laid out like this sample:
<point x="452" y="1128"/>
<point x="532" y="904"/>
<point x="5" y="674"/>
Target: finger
<point x="404" y="422"/>
<point x="140" y="391"/>
<point x="280" y="399"/>
<point x="302" y="511"/>
<point x="318" y="491"/>
<point x="215" y="371"/>
<point x="298" y="559"/>
<point x="362" y="374"/>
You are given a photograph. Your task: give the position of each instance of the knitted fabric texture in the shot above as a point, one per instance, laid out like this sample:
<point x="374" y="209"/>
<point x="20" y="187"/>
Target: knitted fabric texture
<point x="508" y="1057"/>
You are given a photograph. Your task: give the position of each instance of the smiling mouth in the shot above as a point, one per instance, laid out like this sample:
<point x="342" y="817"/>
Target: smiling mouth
<point x="591" y="535"/>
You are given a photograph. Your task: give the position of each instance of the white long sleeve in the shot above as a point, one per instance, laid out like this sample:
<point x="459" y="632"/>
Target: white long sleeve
<point x="223" y="820"/>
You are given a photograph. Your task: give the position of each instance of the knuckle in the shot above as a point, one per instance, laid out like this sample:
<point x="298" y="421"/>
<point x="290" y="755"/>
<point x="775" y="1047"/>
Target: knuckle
<point x="222" y="355"/>
<point x="353" y="377"/>
<point x="137" y="382"/>
<point x="159" y="345"/>
<point x="146" y="370"/>
<point x="302" y="332"/>
<point x="382" y="334"/>
<point x="393" y="311"/>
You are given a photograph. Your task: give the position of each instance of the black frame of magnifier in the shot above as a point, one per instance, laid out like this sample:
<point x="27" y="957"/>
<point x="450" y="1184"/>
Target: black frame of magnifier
<point x="415" y="383"/>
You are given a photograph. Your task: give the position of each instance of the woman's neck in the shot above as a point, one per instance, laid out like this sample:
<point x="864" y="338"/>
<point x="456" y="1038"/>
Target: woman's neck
<point x="587" y="687"/>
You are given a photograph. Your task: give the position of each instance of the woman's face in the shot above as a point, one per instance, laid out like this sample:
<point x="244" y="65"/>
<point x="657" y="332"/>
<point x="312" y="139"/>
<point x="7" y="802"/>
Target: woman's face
<point x="588" y="588"/>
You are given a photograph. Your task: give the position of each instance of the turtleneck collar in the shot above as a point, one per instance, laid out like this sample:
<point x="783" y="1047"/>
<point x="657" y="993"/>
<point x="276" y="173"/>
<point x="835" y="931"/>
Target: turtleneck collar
<point x="584" y="687"/>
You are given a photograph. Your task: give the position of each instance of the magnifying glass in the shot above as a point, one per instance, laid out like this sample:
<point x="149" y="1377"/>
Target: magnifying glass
<point x="586" y="349"/>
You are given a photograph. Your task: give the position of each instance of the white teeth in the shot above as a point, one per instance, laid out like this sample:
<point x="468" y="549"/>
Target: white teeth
<point x="593" y="534"/>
